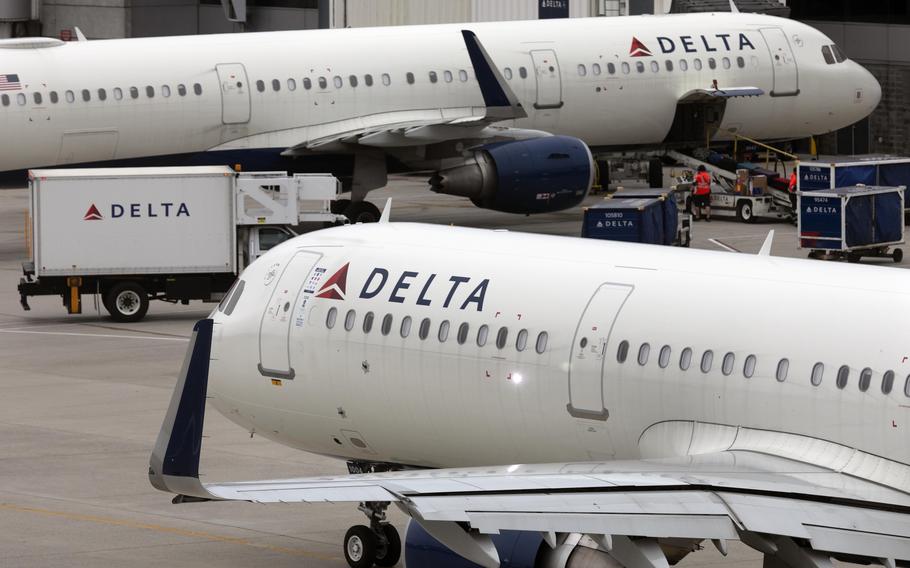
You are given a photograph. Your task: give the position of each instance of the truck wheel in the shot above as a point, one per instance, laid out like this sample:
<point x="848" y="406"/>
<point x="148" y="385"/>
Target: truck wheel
<point x="362" y="212"/>
<point x="744" y="211"/>
<point x="127" y="302"/>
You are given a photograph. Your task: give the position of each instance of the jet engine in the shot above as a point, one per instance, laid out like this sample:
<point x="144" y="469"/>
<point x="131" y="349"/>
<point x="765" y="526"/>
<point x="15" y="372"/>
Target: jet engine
<point x="540" y="175"/>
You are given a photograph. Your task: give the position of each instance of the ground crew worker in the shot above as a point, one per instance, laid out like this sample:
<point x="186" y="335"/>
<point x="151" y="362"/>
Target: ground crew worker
<point x="701" y="195"/>
<point x="794" y="180"/>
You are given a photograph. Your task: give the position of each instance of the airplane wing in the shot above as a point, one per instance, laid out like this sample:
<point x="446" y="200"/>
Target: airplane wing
<point x="796" y="513"/>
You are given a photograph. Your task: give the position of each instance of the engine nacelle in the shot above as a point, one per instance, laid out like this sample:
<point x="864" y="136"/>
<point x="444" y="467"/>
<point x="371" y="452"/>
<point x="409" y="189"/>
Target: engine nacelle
<point x="540" y="175"/>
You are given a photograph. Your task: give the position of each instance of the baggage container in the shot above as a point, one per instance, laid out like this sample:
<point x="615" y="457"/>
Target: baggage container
<point x="636" y="220"/>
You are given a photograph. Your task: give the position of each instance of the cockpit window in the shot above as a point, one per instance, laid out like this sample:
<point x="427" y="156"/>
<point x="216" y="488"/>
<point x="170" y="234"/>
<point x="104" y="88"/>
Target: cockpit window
<point x="829" y="57"/>
<point x="838" y="54"/>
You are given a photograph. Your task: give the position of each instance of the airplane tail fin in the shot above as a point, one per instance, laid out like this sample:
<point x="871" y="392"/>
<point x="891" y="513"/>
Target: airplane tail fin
<point x="174" y="463"/>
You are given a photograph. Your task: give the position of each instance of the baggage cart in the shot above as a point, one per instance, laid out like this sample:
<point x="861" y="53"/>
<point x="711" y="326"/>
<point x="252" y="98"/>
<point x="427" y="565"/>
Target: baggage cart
<point x="638" y="220"/>
<point x="677" y="228"/>
<point x="847" y="171"/>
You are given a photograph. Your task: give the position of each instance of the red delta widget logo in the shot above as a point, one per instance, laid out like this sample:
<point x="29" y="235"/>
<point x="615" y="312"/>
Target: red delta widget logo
<point x="138" y="210"/>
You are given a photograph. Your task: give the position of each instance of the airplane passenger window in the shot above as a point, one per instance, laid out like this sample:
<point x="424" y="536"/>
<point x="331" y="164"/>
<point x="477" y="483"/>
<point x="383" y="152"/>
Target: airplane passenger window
<point x="664" y="358"/>
<point x="622" y="352"/>
<point x="54" y="98"/>
<point x="685" y="359"/>
<point x="86" y="95"/>
<point x="521" y="342"/>
<point x="368" y="322"/>
<point x="887" y="382"/>
<point x="462" y="75"/>
<point x="349" y="319"/>
<point x="502" y="337"/>
<point x="626" y="69"/>
<point x="368" y="80"/>
<point x="118" y="93"/>
<point x="727" y="366"/>
<point x="865" y="379"/>
<point x="843" y="375"/>
<point x="307" y="83"/>
<point x="707" y="360"/>
<point x="260" y="86"/>
<point x="482" y="334"/>
<point x="102" y="95"/>
<point x="838" y="54"/>
<point x="522" y="72"/>
<point x="38" y="98"/>
<point x="70" y="96"/>
<point x="683" y="65"/>
<point x="150" y="92"/>
<point x="410" y="78"/>
<point x="783" y="367"/>
<point x="443" y="334"/>
<point x="20" y="98"/>
<point x="582" y="70"/>
<point x="712" y="64"/>
<point x="595" y="69"/>
<point x="818" y="372"/>
<point x="655" y="66"/>
<point x="134" y="92"/>
<point x="353" y="80"/>
<point x="740" y="62"/>
<point x="292" y="84"/>
<point x="697" y="64"/>
<point x="165" y="91"/>
<point x="448" y="77"/>
<point x="640" y="67"/>
<point x="611" y="69"/>
<point x="405" y="326"/>
<point x="323" y="84"/>
<point x="507" y="73"/>
<point x="4" y="99"/>
<point x="181" y="90"/>
<point x="669" y="66"/>
<point x="276" y="85"/>
<point x="235" y="297"/>
<point x="197" y="88"/>
<point x="433" y="77"/>
<point x="386" y="324"/>
<point x="643" y="352"/>
<point x="907" y="387"/>
<point x="543" y="336"/>
<point x="749" y="366"/>
<point x="726" y="62"/>
<point x="386" y="79"/>
<point x="463" y="330"/>
<point x="331" y="317"/>
<point x="424" y="330"/>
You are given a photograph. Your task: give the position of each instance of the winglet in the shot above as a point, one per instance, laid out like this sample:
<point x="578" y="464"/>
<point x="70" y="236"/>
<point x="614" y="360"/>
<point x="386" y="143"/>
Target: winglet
<point x="502" y="104"/>
<point x="79" y="35"/>
<point x="174" y="463"/>
<point x="386" y="211"/>
<point x="733" y="7"/>
<point x="766" y="247"/>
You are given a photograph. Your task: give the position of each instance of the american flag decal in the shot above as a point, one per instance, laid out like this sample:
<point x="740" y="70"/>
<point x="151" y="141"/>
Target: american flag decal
<point x="10" y="82"/>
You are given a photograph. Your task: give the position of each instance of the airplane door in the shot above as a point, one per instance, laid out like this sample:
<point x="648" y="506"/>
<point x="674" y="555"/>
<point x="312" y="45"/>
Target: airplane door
<point x="549" y="81"/>
<point x="235" y="93"/>
<point x="275" y="328"/>
<point x="786" y="73"/>
<point x="590" y="349"/>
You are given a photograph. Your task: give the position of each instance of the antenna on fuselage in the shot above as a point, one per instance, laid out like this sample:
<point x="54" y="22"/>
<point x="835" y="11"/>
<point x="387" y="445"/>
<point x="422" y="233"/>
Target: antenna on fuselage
<point x="386" y="211"/>
<point x="733" y="7"/>
<point x="766" y="247"/>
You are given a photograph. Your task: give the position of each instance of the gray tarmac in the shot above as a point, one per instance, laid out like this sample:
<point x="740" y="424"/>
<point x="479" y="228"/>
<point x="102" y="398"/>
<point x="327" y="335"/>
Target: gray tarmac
<point x="82" y="399"/>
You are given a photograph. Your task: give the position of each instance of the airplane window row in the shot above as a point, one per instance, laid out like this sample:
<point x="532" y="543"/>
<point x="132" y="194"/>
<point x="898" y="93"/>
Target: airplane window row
<point x="354" y="81"/>
<point x="522" y="72"/>
<point x="626" y="68"/>
<point x="442" y="333"/>
<point x="86" y="95"/>
<point x="833" y="54"/>
<point x="781" y="373"/>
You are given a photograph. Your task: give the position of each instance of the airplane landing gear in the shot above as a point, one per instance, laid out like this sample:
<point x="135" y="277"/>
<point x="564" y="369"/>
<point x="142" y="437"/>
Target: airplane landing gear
<point x="362" y="212"/>
<point x="376" y="545"/>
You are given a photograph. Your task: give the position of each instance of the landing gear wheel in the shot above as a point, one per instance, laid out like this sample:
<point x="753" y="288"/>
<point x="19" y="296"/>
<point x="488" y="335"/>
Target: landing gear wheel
<point x="388" y="553"/>
<point x="360" y="547"/>
<point x="897" y="255"/>
<point x="362" y="212"/>
<point x="655" y="173"/>
<point x="744" y="212"/>
<point x="127" y="302"/>
<point x="337" y="207"/>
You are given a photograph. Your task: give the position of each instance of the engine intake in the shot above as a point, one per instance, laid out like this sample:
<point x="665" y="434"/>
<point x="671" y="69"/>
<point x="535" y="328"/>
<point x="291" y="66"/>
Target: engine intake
<point x="540" y="175"/>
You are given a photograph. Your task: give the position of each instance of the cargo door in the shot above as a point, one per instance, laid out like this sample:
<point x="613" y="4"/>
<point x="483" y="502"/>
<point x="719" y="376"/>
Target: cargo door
<point x="287" y="279"/>
<point x="590" y="348"/>
<point x="549" y="81"/>
<point x="783" y="63"/>
<point x="235" y="93"/>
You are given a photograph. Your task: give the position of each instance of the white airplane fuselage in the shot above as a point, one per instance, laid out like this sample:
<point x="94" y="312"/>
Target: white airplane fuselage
<point x="408" y="394"/>
<point x="182" y="95"/>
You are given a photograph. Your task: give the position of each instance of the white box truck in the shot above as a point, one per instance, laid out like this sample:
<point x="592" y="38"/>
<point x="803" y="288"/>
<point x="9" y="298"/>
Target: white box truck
<point x="130" y="235"/>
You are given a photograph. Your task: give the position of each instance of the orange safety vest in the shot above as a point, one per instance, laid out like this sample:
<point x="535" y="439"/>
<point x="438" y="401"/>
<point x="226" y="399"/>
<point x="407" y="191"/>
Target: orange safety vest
<point x="793" y="182"/>
<point x="702" y="183"/>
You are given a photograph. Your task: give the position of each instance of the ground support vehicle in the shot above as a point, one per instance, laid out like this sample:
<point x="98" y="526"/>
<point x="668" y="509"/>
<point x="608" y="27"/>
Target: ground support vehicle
<point x="130" y="235"/>
<point x="852" y="222"/>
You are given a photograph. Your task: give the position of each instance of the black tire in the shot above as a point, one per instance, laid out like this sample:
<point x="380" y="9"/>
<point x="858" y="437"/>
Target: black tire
<point x="338" y="206"/>
<point x="389" y="553"/>
<point x="360" y="547"/>
<point x="744" y="211"/>
<point x="362" y="212"/>
<point x="897" y="255"/>
<point x="126" y="302"/>
<point x="853" y="257"/>
<point x="655" y="173"/>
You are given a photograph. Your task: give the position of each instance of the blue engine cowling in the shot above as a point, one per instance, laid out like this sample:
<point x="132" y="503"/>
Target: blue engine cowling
<point x="517" y="549"/>
<point x="540" y="175"/>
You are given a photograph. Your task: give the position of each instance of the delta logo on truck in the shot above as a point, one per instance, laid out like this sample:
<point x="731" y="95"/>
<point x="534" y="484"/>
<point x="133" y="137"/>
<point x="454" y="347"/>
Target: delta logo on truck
<point x="139" y="210"/>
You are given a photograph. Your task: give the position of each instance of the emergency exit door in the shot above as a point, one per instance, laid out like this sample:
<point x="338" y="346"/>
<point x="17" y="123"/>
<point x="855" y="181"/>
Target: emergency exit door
<point x="590" y="350"/>
<point x="783" y="63"/>
<point x="549" y="80"/>
<point x="235" y="93"/>
<point x="287" y="280"/>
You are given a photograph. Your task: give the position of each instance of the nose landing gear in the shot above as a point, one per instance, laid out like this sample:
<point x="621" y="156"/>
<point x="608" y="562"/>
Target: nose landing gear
<point x="376" y="545"/>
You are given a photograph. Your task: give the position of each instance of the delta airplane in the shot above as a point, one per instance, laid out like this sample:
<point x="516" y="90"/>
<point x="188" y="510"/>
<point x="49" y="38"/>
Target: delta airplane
<point x="474" y="103"/>
<point x="443" y="362"/>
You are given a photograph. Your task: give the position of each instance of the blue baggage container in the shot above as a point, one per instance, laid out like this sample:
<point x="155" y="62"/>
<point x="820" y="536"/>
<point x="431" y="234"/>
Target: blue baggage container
<point x="851" y="218"/>
<point x="669" y="208"/>
<point x="629" y="220"/>
<point x="872" y="170"/>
